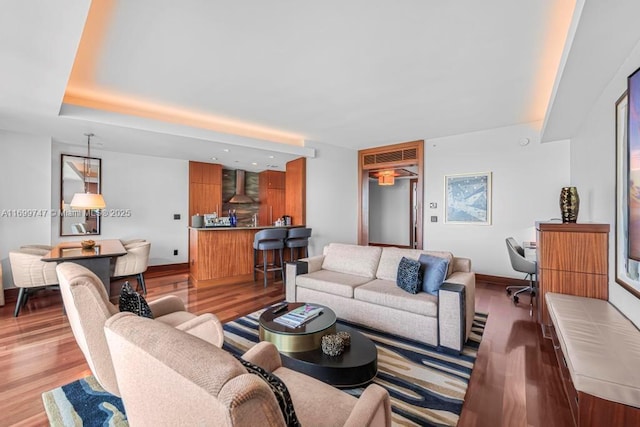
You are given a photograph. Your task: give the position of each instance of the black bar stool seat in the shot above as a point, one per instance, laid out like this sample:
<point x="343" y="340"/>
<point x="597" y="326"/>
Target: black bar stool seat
<point x="268" y="240"/>
<point x="298" y="238"/>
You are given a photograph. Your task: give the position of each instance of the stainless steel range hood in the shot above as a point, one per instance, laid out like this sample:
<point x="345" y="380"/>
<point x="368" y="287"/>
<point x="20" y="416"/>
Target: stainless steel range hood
<point x="240" y="197"/>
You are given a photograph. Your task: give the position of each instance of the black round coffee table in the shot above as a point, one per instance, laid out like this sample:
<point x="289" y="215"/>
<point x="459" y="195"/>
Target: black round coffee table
<point x="356" y="366"/>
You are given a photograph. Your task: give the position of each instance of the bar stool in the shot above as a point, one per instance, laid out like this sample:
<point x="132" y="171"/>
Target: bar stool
<point x="265" y="240"/>
<point x="298" y="238"/>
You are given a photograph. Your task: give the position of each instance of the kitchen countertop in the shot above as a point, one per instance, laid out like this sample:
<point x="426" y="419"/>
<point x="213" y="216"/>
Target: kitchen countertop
<point x="259" y="227"/>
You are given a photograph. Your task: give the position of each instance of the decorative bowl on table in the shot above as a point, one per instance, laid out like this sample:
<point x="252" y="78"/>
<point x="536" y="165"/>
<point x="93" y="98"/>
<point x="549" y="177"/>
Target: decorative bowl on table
<point x="87" y="244"/>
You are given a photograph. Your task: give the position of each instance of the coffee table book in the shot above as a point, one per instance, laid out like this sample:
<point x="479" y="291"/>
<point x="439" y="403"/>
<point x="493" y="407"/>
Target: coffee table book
<point x="298" y="316"/>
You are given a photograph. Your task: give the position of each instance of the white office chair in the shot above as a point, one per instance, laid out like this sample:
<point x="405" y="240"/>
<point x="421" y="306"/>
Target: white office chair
<point x="523" y="265"/>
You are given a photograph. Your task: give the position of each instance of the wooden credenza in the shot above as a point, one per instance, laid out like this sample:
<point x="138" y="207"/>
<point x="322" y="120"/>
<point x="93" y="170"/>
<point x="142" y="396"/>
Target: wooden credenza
<point x="572" y="259"/>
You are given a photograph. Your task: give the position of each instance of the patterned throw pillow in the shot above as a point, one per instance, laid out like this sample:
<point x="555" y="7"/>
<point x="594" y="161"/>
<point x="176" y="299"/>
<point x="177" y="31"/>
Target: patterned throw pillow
<point x="279" y="390"/>
<point x="132" y="301"/>
<point x="409" y="275"/>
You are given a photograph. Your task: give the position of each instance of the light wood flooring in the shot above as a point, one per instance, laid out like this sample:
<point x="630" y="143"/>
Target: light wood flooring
<point x="514" y="383"/>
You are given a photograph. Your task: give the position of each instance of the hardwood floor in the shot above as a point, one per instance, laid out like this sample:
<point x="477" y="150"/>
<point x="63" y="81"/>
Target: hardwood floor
<point x="515" y="381"/>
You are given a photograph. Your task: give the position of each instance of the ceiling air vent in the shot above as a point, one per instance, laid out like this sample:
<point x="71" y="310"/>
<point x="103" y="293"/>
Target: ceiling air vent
<point x="370" y="159"/>
<point x="410" y="154"/>
<point x="390" y="156"/>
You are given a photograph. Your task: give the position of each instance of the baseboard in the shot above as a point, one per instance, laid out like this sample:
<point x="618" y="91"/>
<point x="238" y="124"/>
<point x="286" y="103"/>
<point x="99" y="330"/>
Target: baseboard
<point x="386" y="245"/>
<point x="500" y="281"/>
<point x="11" y="295"/>
<point x="166" y="269"/>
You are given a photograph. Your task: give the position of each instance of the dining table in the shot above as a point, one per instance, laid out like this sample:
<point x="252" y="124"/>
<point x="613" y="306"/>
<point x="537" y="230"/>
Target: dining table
<point x="97" y="259"/>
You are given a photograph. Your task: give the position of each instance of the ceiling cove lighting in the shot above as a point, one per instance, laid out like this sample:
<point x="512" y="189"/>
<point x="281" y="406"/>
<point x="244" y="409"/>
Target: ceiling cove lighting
<point x="87" y="200"/>
<point x="386" y="178"/>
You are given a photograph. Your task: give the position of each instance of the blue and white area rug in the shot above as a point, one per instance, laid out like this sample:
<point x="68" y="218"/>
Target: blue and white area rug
<point x="427" y="387"/>
<point x="83" y="403"/>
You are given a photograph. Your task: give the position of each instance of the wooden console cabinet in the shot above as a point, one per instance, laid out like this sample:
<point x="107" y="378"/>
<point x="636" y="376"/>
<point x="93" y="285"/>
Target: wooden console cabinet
<point x="572" y="259"/>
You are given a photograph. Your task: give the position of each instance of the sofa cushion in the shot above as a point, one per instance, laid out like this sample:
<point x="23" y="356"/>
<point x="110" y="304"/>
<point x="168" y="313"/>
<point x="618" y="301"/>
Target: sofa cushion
<point x="390" y="259"/>
<point x="435" y="271"/>
<point x="331" y="282"/>
<point x="386" y="293"/>
<point x="409" y="277"/>
<point x="352" y="259"/>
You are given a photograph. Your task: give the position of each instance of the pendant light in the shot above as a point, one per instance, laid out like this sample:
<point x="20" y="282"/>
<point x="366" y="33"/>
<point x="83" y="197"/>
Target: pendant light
<point x="386" y="178"/>
<point x="87" y="200"/>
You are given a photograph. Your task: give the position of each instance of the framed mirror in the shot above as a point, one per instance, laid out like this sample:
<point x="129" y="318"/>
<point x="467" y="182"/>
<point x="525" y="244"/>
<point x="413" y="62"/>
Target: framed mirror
<point x="78" y="174"/>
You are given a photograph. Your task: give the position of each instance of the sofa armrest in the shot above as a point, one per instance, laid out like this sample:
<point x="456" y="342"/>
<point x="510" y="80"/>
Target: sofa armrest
<point x="373" y="408"/>
<point x="452" y="315"/>
<point x="293" y="269"/>
<point x="165" y="305"/>
<point x="206" y="327"/>
<point x="461" y="264"/>
<point x="468" y="280"/>
<point x="314" y="263"/>
<point x="265" y="355"/>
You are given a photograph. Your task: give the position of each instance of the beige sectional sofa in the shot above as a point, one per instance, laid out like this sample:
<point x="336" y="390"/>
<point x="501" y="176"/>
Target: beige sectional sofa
<point x="359" y="284"/>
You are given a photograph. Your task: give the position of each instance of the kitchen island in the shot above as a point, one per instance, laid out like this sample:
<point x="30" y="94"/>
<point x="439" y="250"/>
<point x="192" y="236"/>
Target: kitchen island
<point x="222" y="255"/>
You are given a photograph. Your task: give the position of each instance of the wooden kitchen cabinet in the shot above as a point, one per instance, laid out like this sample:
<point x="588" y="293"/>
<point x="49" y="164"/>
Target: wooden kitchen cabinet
<point x="205" y="188"/>
<point x="273" y="179"/>
<point x="296" y="191"/>
<point x="272" y="197"/>
<point x="572" y="259"/>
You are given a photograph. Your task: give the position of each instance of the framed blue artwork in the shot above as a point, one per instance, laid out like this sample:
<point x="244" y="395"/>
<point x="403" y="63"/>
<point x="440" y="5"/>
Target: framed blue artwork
<point x="467" y="199"/>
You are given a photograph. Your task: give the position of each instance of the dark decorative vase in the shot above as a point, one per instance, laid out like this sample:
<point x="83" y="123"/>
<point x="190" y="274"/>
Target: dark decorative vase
<point x="569" y="204"/>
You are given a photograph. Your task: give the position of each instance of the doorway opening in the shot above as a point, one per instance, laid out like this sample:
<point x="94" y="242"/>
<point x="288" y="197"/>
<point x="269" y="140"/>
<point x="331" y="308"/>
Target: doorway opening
<point x="391" y="193"/>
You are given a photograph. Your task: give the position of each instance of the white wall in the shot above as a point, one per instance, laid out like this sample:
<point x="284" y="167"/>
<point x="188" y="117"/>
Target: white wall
<point x="593" y="169"/>
<point x="25" y="174"/>
<point x="389" y="213"/>
<point x="332" y="196"/>
<point x="152" y="188"/>
<point x="526" y="188"/>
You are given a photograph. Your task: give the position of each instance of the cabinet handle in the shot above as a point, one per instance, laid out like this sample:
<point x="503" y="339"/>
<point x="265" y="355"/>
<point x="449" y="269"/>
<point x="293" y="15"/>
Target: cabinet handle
<point x="270" y="215"/>
<point x="565" y="362"/>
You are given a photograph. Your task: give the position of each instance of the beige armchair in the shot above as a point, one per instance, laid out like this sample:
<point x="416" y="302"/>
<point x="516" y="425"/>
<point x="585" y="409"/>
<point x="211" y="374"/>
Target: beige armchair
<point x="160" y="369"/>
<point x="130" y="242"/>
<point x="134" y="263"/>
<point x="88" y="308"/>
<point x="30" y="273"/>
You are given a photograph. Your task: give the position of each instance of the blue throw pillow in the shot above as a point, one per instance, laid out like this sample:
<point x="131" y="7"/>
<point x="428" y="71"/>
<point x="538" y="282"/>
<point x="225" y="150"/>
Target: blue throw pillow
<point x="435" y="271"/>
<point x="409" y="275"/>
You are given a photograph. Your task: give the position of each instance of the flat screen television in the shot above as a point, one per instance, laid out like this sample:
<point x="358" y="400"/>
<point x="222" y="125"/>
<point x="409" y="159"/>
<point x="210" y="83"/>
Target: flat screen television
<point x="633" y="164"/>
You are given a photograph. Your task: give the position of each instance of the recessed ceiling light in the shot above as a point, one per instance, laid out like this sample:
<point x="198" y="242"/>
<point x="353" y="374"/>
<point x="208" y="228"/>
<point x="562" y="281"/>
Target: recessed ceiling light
<point x="254" y="163"/>
<point x="272" y="157"/>
<point x="214" y="158"/>
<point x="226" y="150"/>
